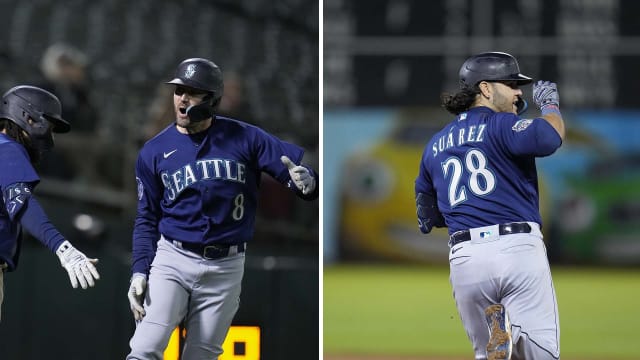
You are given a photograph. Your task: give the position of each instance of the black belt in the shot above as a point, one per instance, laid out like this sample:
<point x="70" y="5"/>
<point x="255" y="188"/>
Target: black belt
<point x="503" y="229"/>
<point x="210" y="252"/>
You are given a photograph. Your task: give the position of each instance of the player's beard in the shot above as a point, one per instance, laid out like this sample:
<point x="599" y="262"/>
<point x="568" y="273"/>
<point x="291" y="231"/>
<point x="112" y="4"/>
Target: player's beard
<point x="192" y="127"/>
<point x="182" y="122"/>
<point x="504" y="103"/>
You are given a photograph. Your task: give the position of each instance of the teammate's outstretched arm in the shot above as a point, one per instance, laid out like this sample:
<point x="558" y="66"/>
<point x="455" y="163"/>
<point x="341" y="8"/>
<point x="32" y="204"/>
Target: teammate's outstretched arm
<point x="23" y="207"/>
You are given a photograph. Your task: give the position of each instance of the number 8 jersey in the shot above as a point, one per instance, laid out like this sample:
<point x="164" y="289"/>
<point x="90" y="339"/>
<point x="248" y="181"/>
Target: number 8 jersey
<point x="477" y="164"/>
<point x="203" y="188"/>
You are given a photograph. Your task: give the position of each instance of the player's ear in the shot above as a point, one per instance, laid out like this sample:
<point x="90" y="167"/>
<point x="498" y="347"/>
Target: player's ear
<point x="485" y="89"/>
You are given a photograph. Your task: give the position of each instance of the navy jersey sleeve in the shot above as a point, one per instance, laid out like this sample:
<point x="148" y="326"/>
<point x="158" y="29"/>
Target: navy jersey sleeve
<point x="17" y="178"/>
<point x="145" y="232"/>
<point x="269" y="149"/>
<point x="16" y="167"/>
<point x="17" y="181"/>
<point x="528" y="136"/>
<point x="36" y="222"/>
<point x="423" y="182"/>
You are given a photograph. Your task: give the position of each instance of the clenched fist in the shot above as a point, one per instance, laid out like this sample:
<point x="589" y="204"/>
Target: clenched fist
<point x="545" y="94"/>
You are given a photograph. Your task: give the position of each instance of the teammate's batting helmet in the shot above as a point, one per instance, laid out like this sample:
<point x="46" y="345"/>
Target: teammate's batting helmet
<point x="21" y="103"/>
<point x="201" y="74"/>
<point x="491" y="66"/>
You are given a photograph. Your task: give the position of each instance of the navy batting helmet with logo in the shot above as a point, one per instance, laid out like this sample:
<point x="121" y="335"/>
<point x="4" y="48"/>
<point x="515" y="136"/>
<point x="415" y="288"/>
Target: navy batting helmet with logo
<point x="491" y="66"/>
<point x="24" y="102"/>
<point x="201" y="74"/>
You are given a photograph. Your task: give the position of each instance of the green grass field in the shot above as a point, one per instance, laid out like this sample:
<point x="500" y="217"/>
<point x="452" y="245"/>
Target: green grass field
<point x="409" y="310"/>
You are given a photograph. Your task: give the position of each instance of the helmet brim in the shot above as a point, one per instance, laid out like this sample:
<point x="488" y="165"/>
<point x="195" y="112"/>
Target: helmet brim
<point x="519" y="78"/>
<point x="60" y="125"/>
<point x="191" y="84"/>
<point x="522" y="79"/>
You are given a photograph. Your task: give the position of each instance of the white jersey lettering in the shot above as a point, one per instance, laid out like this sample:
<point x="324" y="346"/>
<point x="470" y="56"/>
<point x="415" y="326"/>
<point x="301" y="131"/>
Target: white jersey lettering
<point x="205" y="169"/>
<point x="468" y="134"/>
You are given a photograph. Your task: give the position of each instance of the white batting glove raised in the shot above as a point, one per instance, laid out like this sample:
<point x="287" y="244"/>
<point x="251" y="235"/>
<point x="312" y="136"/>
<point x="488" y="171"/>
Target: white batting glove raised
<point x="136" y="292"/>
<point x="545" y="94"/>
<point x="300" y="176"/>
<point x="80" y="268"/>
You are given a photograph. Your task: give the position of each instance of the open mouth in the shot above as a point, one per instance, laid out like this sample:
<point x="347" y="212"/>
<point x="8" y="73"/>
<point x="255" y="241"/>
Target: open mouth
<point x="182" y="110"/>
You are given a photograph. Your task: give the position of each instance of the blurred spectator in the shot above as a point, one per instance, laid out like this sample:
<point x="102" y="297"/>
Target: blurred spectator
<point x="64" y="68"/>
<point x="160" y="113"/>
<point x="233" y="103"/>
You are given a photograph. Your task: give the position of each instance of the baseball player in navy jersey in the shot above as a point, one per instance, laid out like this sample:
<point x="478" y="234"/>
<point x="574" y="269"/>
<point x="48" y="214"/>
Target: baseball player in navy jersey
<point x="28" y="117"/>
<point x="197" y="194"/>
<point x="478" y="178"/>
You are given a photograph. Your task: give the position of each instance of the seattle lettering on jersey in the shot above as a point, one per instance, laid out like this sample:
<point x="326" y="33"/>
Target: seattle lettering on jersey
<point x="465" y="135"/>
<point x="205" y="169"/>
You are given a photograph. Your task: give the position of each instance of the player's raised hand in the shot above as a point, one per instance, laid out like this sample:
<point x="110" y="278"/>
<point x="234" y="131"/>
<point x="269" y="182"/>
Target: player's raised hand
<point x="545" y="94"/>
<point x="136" y="292"/>
<point x="300" y="175"/>
<point x="80" y="268"/>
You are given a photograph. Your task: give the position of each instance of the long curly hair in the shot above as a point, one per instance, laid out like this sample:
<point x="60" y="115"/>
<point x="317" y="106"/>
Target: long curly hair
<point x="460" y="101"/>
<point x="16" y="133"/>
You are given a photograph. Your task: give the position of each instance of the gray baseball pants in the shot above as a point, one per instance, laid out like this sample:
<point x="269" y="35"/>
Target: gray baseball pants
<point x="512" y="270"/>
<point x="183" y="285"/>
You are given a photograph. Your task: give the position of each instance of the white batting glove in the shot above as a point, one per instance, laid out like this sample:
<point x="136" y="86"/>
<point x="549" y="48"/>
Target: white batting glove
<point x="300" y="176"/>
<point x="137" y="289"/>
<point x="545" y="94"/>
<point x="80" y="268"/>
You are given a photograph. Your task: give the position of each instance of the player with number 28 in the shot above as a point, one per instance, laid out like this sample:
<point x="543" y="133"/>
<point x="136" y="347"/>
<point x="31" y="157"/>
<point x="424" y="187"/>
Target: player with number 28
<point x="478" y="177"/>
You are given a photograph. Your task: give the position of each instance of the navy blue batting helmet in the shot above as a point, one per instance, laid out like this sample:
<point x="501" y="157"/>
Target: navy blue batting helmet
<point x="491" y="66"/>
<point x="201" y="74"/>
<point x="24" y="102"/>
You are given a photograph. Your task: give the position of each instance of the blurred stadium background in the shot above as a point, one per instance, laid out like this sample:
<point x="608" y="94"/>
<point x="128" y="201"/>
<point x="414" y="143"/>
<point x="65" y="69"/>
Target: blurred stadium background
<point x="107" y="61"/>
<point x="385" y="64"/>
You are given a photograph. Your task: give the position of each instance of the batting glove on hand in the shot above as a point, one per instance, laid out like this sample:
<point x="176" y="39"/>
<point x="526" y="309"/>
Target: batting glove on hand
<point x="137" y="289"/>
<point x="300" y="176"/>
<point x="545" y="94"/>
<point x="80" y="268"/>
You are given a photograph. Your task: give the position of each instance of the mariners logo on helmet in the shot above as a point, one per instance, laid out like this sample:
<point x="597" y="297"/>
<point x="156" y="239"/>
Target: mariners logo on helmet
<point x="190" y="71"/>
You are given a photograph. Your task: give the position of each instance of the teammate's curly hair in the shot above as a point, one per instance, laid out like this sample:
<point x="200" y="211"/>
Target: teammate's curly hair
<point x="16" y="133"/>
<point x="460" y="101"/>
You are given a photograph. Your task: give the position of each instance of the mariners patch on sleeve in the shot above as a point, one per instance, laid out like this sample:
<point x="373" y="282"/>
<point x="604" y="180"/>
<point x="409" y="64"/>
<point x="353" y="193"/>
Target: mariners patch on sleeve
<point x="521" y="125"/>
